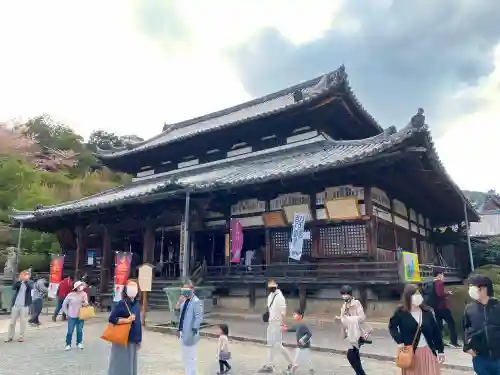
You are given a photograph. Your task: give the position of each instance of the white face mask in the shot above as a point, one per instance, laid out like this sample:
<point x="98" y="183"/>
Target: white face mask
<point x="474" y="292"/>
<point x="131" y="291"/>
<point x="417" y="299"/>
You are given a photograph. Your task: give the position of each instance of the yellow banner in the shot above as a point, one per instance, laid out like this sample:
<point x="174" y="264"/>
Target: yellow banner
<point x="411" y="267"/>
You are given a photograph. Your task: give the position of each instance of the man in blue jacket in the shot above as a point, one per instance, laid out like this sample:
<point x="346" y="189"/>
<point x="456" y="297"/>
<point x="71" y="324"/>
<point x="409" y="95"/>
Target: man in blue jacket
<point x="20" y="306"/>
<point x="191" y="316"/>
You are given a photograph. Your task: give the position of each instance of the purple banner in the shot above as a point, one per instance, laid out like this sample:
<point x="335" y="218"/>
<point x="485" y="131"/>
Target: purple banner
<point x="236" y="240"/>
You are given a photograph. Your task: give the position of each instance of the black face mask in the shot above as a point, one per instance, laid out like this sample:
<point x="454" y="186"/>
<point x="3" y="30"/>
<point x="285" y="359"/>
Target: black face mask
<point x="272" y="289"/>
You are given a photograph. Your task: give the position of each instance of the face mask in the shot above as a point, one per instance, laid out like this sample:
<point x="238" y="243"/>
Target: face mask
<point x="346" y="298"/>
<point x="272" y="289"/>
<point x="187" y="293"/>
<point x="417" y="300"/>
<point x="131" y="291"/>
<point x="474" y="292"/>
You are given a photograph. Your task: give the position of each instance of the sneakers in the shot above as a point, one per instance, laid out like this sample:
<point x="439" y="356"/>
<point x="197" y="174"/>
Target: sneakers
<point x="8" y="340"/>
<point x="20" y="339"/>
<point x="80" y="346"/>
<point x="67" y="347"/>
<point x="266" y="370"/>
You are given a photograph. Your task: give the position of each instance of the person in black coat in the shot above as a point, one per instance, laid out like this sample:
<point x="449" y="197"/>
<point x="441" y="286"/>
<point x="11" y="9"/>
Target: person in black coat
<point x="413" y="323"/>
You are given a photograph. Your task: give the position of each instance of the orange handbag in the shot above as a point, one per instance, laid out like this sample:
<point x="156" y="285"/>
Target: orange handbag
<point x="405" y="357"/>
<point x="118" y="333"/>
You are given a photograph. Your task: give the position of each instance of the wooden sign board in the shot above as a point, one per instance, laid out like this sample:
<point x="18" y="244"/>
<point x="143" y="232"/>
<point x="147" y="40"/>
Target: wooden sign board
<point x="145" y="277"/>
<point x="274" y="219"/>
<point x="290" y="212"/>
<point x="342" y="208"/>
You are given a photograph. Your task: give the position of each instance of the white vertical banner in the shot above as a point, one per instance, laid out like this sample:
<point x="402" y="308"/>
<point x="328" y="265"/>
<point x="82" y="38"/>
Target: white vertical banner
<point x="297" y="242"/>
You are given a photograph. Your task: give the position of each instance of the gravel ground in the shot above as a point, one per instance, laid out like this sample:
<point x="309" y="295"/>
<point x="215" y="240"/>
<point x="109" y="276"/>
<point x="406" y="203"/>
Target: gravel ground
<point x="43" y="354"/>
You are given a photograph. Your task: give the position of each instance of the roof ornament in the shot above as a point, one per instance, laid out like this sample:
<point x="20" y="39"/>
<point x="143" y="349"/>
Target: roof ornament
<point x="298" y="96"/>
<point x="418" y="120"/>
<point x="318" y="88"/>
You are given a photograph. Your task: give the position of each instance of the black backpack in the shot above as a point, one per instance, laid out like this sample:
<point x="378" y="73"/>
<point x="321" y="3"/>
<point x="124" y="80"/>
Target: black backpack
<point x="429" y="294"/>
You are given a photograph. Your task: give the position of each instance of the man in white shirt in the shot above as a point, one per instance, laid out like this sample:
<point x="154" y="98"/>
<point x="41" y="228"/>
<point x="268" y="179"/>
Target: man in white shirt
<point x="276" y="306"/>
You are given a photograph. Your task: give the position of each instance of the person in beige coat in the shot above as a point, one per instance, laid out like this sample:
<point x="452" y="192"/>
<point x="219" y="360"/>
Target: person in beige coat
<point x="355" y="329"/>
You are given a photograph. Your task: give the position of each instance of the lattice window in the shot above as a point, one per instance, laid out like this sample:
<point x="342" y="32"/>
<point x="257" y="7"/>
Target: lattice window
<point x="385" y="236"/>
<point x="280" y="244"/>
<point x="344" y="239"/>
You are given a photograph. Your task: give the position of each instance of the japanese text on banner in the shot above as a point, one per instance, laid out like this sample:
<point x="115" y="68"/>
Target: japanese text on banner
<point x="297" y="242"/>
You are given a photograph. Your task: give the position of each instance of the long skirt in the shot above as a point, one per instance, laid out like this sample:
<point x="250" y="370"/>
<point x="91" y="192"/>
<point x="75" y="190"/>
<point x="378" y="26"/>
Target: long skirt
<point x="123" y="360"/>
<point x="424" y="363"/>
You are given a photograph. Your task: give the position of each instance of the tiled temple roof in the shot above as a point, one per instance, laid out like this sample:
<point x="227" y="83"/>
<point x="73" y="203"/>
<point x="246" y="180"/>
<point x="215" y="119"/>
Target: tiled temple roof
<point x="280" y="101"/>
<point x="300" y="158"/>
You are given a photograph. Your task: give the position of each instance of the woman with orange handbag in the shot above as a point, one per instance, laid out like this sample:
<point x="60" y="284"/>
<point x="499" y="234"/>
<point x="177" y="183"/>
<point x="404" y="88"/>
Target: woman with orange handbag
<point x="123" y="358"/>
<point x="415" y="330"/>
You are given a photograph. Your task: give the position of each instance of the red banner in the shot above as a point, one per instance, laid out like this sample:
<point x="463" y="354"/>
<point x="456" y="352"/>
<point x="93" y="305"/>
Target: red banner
<point x="236" y="240"/>
<point x="55" y="274"/>
<point x="122" y="270"/>
<point x="56" y="268"/>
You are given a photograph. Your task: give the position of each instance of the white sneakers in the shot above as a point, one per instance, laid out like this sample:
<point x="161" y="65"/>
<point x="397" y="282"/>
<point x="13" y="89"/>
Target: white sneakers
<point x="68" y="347"/>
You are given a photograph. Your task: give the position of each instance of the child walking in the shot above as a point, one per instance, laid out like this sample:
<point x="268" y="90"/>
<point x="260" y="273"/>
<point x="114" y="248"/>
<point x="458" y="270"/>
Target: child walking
<point x="71" y="307"/>
<point x="223" y="353"/>
<point x="303" y="334"/>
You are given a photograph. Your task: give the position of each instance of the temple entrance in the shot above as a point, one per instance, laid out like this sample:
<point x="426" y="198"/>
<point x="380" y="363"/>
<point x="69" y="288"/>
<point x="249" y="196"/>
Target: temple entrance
<point x="211" y="248"/>
<point x="167" y="254"/>
<point x="254" y="247"/>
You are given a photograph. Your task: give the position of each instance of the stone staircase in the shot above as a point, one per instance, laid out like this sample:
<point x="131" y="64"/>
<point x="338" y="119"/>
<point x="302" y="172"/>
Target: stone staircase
<point x="157" y="299"/>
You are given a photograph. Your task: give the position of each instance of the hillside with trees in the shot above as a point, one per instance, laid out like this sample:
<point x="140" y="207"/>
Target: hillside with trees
<point x="43" y="163"/>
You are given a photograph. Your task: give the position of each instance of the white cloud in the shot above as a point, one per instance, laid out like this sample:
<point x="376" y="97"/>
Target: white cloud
<point x="469" y="150"/>
<point x="88" y="65"/>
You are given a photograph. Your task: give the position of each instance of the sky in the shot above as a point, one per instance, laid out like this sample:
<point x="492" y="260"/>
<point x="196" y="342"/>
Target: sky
<point x="129" y="66"/>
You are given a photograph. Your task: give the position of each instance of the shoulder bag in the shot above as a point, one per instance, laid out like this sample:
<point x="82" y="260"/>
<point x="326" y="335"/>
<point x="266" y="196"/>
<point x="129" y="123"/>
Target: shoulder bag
<point x="118" y="333"/>
<point x="405" y="357"/>
<point x="265" y="316"/>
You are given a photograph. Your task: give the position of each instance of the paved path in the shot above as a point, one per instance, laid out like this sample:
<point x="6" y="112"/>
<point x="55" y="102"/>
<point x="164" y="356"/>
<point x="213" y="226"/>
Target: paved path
<point x="327" y="336"/>
<point x="42" y="354"/>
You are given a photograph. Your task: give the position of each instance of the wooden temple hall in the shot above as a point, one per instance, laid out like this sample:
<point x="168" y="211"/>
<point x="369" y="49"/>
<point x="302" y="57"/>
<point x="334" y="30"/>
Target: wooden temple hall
<point x="368" y="193"/>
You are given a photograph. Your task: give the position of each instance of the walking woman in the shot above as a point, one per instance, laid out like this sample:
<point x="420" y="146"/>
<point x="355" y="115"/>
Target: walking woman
<point x="71" y="307"/>
<point x="354" y="327"/>
<point x="414" y="324"/>
<point x="123" y="358"/>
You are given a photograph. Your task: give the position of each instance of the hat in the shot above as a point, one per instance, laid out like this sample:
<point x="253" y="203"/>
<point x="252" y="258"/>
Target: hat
<point x="272" y="284"/>
<point x="78" y="284"/>
<point x="346" y="289"/>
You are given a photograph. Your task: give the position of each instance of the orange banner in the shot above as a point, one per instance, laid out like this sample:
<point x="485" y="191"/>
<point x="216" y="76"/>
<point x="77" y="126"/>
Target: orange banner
<point x="56" y="269"/>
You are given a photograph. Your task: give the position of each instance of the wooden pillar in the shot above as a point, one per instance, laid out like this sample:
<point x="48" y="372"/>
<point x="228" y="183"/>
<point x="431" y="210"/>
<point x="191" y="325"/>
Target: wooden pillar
<point x="302" y="297"/>
<point x="79" y="251"/>
<point x="363" y="296"/>
<point x="371" y="226"/>
<point x="148" y="243"/>
<point x="394" y="227"/>
<point x="105" y="261"/>
<point x="252" y="296"/>
<point x="268" y="245"/>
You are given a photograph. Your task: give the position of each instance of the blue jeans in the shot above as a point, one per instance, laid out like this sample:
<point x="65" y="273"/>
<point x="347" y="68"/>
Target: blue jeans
<point x="72" y="324"/>
<point x="486" y="366"/>
<point x="58" y="306"/>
